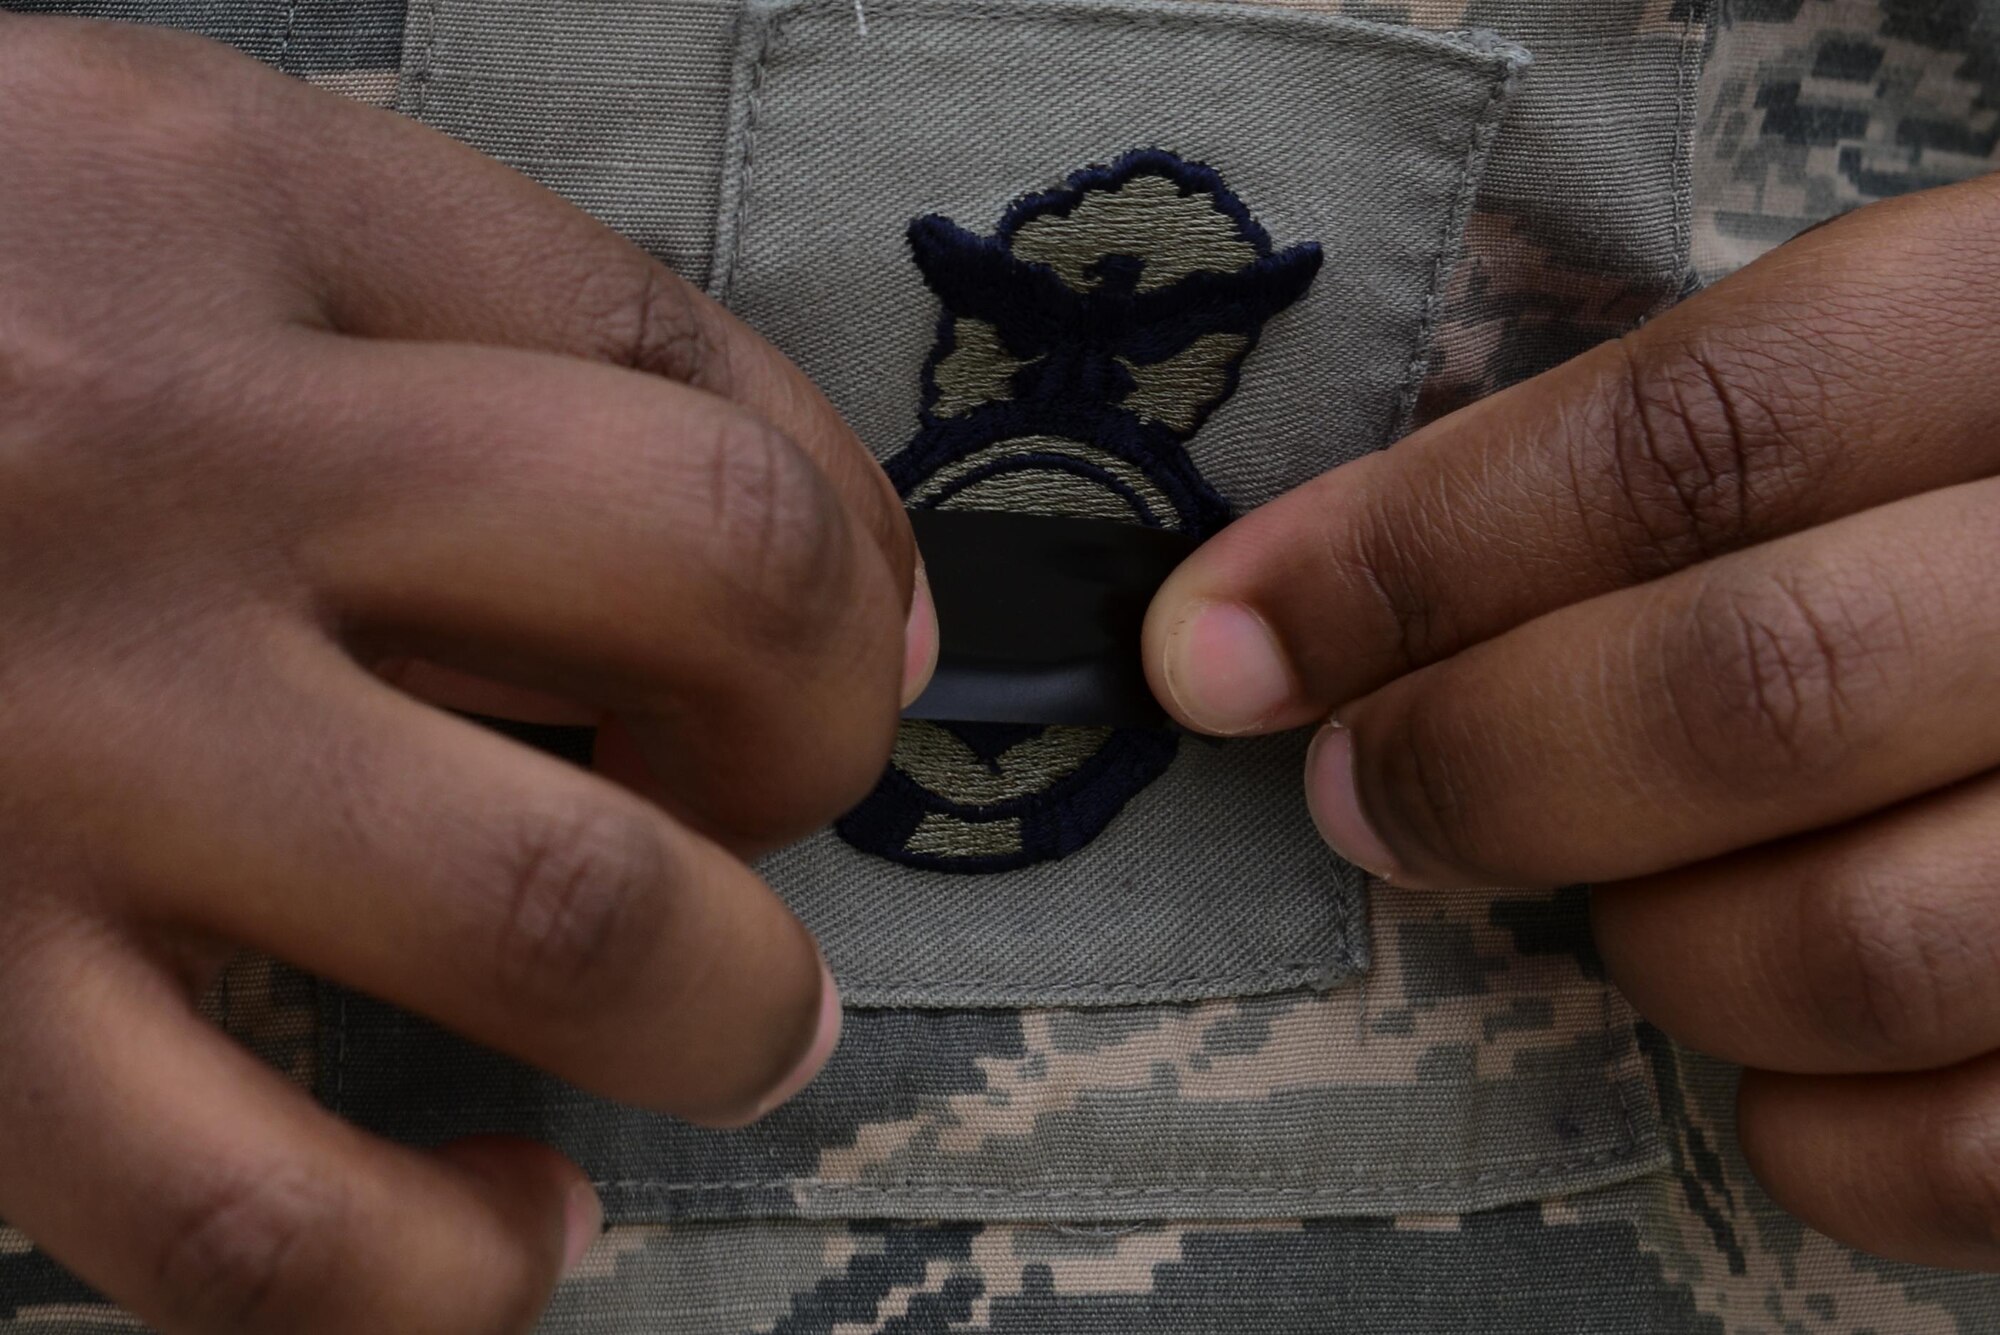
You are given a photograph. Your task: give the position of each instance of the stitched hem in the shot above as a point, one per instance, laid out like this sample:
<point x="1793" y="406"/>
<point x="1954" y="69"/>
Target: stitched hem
<point x="1480" y="49"/>
<point x="1106" y="1201"/>
<point x="1485" y="132"/>
<point x="1695" y="21"/>
<point x="1635" y="1148"/>
<point x="1348" y="958"/>
<point x="422" y="23"/>
<point x="1101" y="1188"/>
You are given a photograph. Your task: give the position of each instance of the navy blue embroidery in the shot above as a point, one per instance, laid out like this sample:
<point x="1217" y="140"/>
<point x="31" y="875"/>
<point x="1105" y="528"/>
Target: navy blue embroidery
<point x="1078" y="349"/>
<point x="1053" y="821"/>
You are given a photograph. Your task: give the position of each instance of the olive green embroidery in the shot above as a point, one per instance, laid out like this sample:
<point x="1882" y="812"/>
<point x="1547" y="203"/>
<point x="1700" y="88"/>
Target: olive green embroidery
<point x="977" y="369"/>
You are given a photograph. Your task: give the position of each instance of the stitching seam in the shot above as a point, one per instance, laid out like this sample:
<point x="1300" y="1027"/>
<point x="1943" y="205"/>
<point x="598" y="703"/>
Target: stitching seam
<point x="426" y="67"/>
<point x="1613" y="1068"/>
<point x="767" y="51"/>
<point x="285" y="41"/>
<point x="1283" y="973"/>
<point x="1083" y="1188"/>
<point x="1686" y="94"/>
<point x="1478" y="142"/>
<point x="1480" y="50"/>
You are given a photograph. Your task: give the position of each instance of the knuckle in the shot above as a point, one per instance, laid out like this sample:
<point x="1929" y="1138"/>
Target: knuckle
<point x="656" y="323"/>
<point x="256" y="1253"/>
<point x="1391" y="567"/>
<point x="1422" y="797"/>
<point x="1959" y="1160"/>
<point x="784" y="540"/>
<point x="1877" y="964"/>
<point x="583" y="907"/>
<point x="1764" y="685"/>
<point x="1697" y="451"/>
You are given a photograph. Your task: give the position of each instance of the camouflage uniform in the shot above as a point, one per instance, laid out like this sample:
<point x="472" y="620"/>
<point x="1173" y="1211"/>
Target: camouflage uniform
<point x="1443" y="1118"/>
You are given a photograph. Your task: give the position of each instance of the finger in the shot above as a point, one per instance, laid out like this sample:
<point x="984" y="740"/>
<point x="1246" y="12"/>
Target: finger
<point x="1783" y="689"/>
<point x="329" y="212"/>
<point x="410" y="235"/>
<point x="322" y="817"/>
<point x="625" y="542"/>
<point x="467" y="694"/>
<point x="1875" y="947"/>
<point x="1826" y="378"/>
<point x="1903" y="1166"/>
<point x="175" y="1172"/>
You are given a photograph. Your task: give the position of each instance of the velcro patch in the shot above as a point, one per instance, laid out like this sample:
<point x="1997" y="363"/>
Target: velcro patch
<point x="1114" y="259"/>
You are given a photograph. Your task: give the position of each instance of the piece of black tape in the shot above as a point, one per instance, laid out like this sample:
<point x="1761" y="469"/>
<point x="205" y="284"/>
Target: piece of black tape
<point x="1039" y="617"/>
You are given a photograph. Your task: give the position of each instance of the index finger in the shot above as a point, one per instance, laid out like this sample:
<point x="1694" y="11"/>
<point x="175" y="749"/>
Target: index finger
<point x="408" y="234"/>
<point x="1826" y="379"/>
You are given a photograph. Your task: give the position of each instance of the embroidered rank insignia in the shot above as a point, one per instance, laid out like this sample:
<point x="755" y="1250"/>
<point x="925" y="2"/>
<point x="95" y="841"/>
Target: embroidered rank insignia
<point x="1080" y="348"/>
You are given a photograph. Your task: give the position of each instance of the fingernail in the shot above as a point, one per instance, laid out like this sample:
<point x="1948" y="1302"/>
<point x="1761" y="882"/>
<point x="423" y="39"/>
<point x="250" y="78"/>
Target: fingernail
<point x="824" y="1040"/>
<point x="583" y="1222"/>
<point x="1335" y="803"/>
<point x="920" y="640"/>
<point x="1225" y="671"/>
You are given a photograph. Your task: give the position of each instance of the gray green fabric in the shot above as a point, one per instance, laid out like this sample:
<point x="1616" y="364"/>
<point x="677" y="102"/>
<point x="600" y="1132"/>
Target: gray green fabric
<point x="1211" y="882"/>
<point x="1582" y="227"/>
<point x="620" y="107"/>
<point x="1594" y="164"/>
<point x="960" y="106"/>
<point x="304" y="37"/>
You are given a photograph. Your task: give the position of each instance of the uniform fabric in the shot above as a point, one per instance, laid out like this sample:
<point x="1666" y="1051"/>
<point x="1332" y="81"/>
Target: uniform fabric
<point x="619" y="107"/>
<point x="352" y="46"/>
<point x="1652" y="141"/>
<point x="1811" y="109"/>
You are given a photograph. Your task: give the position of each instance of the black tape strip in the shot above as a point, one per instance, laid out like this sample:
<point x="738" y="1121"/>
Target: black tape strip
<point x="574" y="743"/>
<point x="1039" y="617"/>
<point x="1038" y="622"/>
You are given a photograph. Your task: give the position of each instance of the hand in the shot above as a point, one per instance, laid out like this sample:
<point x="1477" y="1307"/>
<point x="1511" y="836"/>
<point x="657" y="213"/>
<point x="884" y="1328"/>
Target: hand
<point x="1710" y="612"/>
<point x="290" y="386"/>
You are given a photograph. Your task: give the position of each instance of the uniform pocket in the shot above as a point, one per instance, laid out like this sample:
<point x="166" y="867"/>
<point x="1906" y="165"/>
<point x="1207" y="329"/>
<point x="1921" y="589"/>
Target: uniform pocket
<point x="1055" y="256"/>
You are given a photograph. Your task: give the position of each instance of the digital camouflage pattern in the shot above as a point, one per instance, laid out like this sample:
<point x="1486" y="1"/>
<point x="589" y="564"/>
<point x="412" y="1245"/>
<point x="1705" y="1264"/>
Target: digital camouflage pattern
<point x="1481" y="1059"/>
<point x="1812" y="107"/>
<point x="1806" y="108"/>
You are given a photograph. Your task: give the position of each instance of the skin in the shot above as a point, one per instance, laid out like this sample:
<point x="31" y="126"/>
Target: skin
<point x="1705" y="617"/>
<point x="306" y="411"/>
